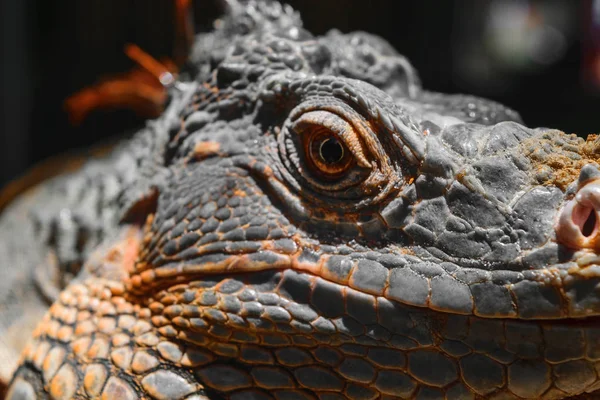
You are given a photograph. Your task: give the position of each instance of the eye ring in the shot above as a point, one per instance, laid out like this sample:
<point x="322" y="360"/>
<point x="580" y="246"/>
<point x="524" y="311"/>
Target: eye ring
<point x="314" y="166"/>
<point x="327" y="154"/>
<point x="326" y="150"/>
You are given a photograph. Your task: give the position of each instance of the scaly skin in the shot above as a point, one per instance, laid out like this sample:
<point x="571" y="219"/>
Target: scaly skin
<point x="446" y="251"/>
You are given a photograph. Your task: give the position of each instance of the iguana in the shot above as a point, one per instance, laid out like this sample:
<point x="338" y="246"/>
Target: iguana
<point x="305" y="221"/>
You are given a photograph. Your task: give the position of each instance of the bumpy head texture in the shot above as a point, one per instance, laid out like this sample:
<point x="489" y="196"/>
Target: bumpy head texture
<point x="310" y="223"/>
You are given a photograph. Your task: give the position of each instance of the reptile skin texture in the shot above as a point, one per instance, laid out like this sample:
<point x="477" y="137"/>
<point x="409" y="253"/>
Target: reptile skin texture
<point x="305" y="221"/>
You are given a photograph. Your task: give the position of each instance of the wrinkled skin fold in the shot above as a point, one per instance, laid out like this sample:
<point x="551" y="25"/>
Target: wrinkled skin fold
<point x="305" y="221"/>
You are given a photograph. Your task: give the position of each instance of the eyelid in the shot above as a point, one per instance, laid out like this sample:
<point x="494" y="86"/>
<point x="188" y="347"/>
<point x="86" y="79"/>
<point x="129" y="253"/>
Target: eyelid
<point x="343" y="129"/>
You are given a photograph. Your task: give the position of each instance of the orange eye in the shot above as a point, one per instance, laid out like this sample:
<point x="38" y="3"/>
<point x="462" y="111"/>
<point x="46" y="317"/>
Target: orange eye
<point x="327" y="154"/>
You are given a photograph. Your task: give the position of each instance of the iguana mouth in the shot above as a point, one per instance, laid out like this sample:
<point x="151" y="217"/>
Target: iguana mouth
<point x="563" y="292"/>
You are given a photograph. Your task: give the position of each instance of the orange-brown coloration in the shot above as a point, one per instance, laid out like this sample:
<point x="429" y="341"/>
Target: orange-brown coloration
<point x="118" y="389"/>
<point x="111" y="343"/>
<point x="137" y="90"/>
<point x="121" y="357"/>
<point x="559" y="163"/>
<point x="158" y="70"/>
<point x="184" y="31"/>
<point x="203" y="150"/>
<point x="117" y="260"/>
<point x="151" y="280"/>
<point x="330" y="169"/>
<point x="142" y="362"/>
<point x="327" y="124"/>
<point x="64" y="383"/>
<point x="142" y="89"/>
<point x="94" y="378"/>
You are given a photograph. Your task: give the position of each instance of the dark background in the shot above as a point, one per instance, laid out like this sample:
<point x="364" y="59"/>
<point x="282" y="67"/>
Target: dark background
<point x="538" y="57"/>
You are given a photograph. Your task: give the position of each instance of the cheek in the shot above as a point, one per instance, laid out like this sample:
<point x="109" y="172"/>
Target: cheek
<point x="211" y="222"/>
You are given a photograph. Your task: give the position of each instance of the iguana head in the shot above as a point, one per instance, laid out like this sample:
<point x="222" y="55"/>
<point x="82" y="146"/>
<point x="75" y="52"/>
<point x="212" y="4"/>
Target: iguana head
<point x="323" y="155"/>
<point x="315" y="224"/>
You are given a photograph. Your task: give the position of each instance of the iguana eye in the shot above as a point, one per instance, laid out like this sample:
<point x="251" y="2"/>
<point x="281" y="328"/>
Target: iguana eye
<point x="330" y="144"/>
<point x="331" y="151"/>
<point x="327" y="155"/>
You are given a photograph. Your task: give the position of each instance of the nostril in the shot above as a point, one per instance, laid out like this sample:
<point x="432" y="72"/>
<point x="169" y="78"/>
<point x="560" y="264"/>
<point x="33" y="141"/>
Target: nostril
<point x="589" y="226"/>
<point x="578" y="225"/>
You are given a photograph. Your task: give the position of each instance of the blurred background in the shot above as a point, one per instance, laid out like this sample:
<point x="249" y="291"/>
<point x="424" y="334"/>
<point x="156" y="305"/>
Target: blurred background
<point x="541" y="58"/>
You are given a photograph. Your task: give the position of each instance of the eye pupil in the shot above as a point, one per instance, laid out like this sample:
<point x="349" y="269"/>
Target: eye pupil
<point x="327" y="155"/>
<point x="331" y="151"/>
